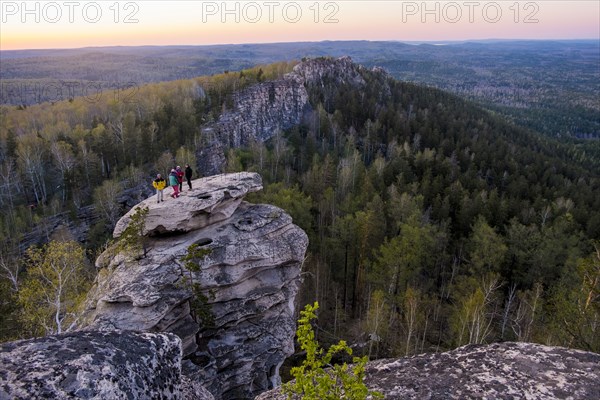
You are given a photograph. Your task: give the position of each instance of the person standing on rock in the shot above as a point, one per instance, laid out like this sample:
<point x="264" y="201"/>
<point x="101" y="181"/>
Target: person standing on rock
<point x="188" y="175"/>
<point x="174" y="183"/>
<point x="159" y="184"/>
<point x="180" y="175"/>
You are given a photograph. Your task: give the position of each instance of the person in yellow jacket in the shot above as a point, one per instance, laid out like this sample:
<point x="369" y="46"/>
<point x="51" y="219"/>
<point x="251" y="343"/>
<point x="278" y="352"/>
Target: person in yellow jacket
<point x="159" y="184"/>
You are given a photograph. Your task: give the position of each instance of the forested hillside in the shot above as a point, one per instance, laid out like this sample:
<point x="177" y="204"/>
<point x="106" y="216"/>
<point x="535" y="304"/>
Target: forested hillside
<point x="432" y="222"/>
<point x="550" y="86"/>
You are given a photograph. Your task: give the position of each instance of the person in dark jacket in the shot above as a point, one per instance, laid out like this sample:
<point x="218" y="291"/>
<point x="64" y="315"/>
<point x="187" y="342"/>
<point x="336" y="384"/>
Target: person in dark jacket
<point x="188" y="175"/>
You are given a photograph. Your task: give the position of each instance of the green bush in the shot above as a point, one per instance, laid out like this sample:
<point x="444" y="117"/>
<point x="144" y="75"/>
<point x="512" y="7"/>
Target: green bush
<point x="199" y="303"/>
<point x="316" y="378"/>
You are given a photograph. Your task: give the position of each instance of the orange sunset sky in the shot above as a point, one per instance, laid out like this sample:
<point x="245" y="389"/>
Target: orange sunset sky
<point x="69" y="24"/>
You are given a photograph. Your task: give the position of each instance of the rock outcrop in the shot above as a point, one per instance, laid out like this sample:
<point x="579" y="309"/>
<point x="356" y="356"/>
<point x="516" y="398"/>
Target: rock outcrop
<point x="249" y="280"/>
<point x="94" y="365"/>
<point x="496" y="371"/>
<point x="320" y="71"/>
<point x="215" y="200"/>
<point x="260" y="111"/>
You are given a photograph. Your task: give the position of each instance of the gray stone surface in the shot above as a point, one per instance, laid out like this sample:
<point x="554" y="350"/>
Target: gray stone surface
<point x="260" y="111"/>
<point x="250" y="279"/>
<point x="497" y="371"/>
<point x="322" y="71"/>
<point x="192" y="390"/>
<point x="92" y="365"/>
<point x="212" y="199"/>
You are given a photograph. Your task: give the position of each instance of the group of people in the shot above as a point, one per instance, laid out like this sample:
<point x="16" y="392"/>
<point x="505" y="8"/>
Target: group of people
<point x="174" y="180"/>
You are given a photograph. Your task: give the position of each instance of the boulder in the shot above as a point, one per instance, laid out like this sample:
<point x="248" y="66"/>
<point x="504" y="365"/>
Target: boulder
<point x="249" y="280"/>
<point x="93" y="365"/>
<point x="496" y="371"/>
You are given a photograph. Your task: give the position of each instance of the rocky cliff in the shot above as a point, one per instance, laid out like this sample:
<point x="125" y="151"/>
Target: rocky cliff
<point x="258" y="113"/>
<point x="248" y="282"/>
<point x="264" y="109"/>
<point x="496" y="371"/>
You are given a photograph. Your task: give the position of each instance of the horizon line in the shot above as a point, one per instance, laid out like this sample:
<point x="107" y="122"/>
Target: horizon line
<point x="445" y="41"/>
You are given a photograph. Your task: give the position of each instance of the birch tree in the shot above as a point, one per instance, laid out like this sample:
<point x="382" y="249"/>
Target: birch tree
<point x="31" y="154"/>
<point x="10" y="269"/>
<point x="475" y="310"/>
<point x="376" y="323"/>
<point x="56" y="282"/>
<point x="7" y="177"/>
<point x="105" y="199"/>
<point x="64" y="159"/>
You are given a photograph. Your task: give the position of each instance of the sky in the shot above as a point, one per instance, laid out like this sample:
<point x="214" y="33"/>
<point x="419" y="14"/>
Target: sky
<point x="81" y="23"/>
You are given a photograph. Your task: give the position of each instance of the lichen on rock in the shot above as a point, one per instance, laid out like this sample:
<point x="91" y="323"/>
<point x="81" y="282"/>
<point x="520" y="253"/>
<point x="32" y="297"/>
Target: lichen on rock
<point x="496" y="371"/>
<point x="92" y="365"/>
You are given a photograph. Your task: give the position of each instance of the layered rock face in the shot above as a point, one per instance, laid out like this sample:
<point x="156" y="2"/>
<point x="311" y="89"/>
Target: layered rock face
<point x="250" y="280"/>
<point x="259" y="112"/>
<point x="496" y="371"/>
<point x="93" y="365"/>
<point x="262" y="110"/>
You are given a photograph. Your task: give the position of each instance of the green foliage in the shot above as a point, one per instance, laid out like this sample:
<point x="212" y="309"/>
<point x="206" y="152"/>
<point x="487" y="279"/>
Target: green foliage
<point x="487" y="248"/>
<point x="185" y="156"/>
<point x="55" y="285"/>
<point x="105" y="200"/>
<point x="376" y="324"/>
<point x="199" y="303"/>
<point x="406" y="192"/>
<point x="99" y="235"/>
<point x="472" y="317"/>
<point x="164" y="164"/>
<point x="9" y="319"/>
<point x="316" y="378"/>
<point x="133" y="239"/>
<point x="576" y="305"/>
<point x="194" y="256"/>
<point x="234" y="164"/>
<point x="402" y="260"/>
<point x="291" y="199"/>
